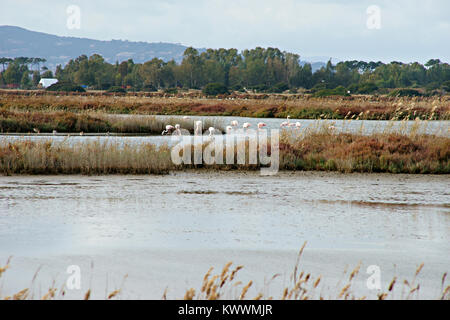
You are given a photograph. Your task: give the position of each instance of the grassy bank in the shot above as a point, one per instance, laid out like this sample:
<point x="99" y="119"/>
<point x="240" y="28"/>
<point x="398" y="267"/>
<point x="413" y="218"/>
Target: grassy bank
<point x="70" y="122"/>
<point x="319" y="150"/>
<point x="261" y="106"/>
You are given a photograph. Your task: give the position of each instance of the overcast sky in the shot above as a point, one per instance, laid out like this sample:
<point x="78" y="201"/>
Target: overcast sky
<point x="411" y="30"/>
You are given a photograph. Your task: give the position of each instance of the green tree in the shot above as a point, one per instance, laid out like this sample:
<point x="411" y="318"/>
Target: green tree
<point x="12" y="75"/>
<point x="25" y="81"/>
<point x="36" y="78"/>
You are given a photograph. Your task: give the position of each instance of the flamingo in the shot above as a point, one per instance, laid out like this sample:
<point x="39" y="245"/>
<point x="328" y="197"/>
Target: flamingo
<point x="211" y="131"/>
<point x="229" y="129"/>
<point x="169" y="129"/>
<point x="186" y="118"/>
<point x="261" y="125"/>
<point x="55" y="132"/>
<point x="246" y="125"/>
<point x="36" y="130"/>
<point x="234" y="123"/>
<point x="177" y="130"/>
<point x="286" y="123"/>
<point x="198" y="127"/>
<point x="298" y="124"/>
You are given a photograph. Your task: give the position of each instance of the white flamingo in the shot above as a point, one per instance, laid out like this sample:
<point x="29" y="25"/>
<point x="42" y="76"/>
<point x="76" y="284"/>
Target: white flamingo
<point x="186" y="118"/>
<point x="177" y="130"/>
<point x="198" y="127"/>
<point x="234" y="123"/>
<point x="246" y="125"/>
<point x="211" y="131"/>
<point x="298" y="124"/>
<point x="229" y="129"/>
<point x="286" y="123"/>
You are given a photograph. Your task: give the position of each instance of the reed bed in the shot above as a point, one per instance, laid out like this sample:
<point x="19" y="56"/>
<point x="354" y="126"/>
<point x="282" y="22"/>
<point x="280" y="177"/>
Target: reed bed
<point x="305" y="286"/>
<point x="227" y="285"/>
<point x="313" y="150"/>
<point x="261" y="106"/>
<point x="13" y="121"/>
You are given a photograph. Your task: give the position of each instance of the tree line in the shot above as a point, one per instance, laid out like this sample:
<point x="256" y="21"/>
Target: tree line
<point x="259" y="69"/>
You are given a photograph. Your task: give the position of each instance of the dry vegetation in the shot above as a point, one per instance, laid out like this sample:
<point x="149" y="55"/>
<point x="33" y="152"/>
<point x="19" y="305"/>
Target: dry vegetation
<point x="89" y="122"/>
<point x="317" y="149"/>
<point x="304" y="286"/>
<point x="320" y="149"/>
<point x="226" y="285"/>
<point x="249" y="105"/>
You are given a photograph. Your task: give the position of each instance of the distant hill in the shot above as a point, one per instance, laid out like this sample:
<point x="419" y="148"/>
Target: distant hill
<point x="20" y="42"/>
<point x="317" y="62"/>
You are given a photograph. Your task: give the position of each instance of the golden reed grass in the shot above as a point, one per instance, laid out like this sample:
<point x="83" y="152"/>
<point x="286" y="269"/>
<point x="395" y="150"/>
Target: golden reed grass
<point x="304" y="286"/>
<point x="91" y="122"/>
<point x="225" y="285"/>
<point x="247" y="105"/>
<point x="320" y="150"/>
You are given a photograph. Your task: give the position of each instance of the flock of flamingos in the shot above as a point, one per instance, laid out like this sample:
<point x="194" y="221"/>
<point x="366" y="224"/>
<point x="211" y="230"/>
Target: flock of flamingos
<point x="234" y="125"/>
<point x="230" y="129"/>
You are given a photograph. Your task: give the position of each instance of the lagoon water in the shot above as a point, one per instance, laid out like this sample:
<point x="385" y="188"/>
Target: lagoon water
<point x="164" y="232"/>
<point x="440" y="128"/>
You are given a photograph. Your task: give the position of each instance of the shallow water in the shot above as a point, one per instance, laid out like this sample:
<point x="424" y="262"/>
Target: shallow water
<point x="440" y="128"/>
<point x="349" y="126"/>
<point x="166" y="231"/>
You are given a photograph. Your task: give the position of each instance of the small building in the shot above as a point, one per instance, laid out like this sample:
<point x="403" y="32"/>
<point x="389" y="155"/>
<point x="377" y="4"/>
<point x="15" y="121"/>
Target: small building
<point x="47" y="82"/>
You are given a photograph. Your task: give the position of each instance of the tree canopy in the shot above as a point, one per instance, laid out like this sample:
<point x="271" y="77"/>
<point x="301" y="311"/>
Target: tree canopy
<point x="258" y="69"/>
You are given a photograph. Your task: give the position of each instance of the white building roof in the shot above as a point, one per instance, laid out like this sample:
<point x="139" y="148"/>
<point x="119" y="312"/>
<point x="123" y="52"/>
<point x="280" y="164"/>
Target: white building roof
<point x="47" y="82"/>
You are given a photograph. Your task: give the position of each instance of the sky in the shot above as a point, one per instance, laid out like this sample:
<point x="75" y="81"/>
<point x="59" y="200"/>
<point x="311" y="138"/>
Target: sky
<point x="386" y="30"/>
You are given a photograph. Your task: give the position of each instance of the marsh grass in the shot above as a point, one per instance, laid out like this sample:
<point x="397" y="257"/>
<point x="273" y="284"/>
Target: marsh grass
<point x="13" y="121"/>
<point x="53" y="292"/>
<point x="304" y="286"/>
<point x="227" y="285"/>
<point x="318" y="148"/>
<point x="259" y="106"/>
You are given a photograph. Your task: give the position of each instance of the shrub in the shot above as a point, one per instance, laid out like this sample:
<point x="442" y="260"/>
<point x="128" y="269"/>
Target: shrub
<point x="238" y="88"/>
<point x="405" y="93"/>
<point x="149" y="88"/>
<point x="446" y="86"/>
<point x="171" y="90"/>
<point x="339" y="91"/>
<point x="65" y="86"/>
<point x="279" y="87"/>
<point x="259" y="88"/>
<point x="117" y="89"/>
<point x="367" y="88"/>
<point x="213" y="89"/>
